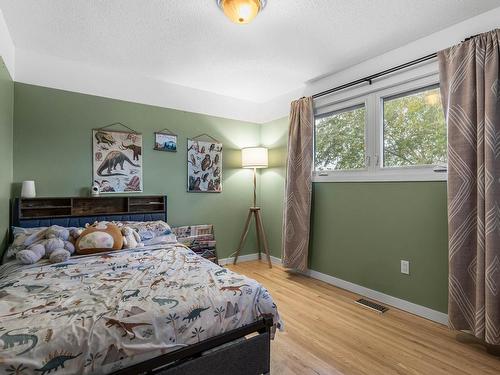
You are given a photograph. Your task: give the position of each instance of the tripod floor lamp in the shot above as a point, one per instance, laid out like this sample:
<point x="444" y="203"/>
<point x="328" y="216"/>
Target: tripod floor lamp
<point x="254" y="157"/>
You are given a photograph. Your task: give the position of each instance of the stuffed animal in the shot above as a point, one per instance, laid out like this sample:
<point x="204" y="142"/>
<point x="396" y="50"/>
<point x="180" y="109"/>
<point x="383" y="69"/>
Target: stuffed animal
<point x="131" y="238"/>
<point x="74" y="233"/>
<point x="99" y="237"/>
<point x="52" y="242"/>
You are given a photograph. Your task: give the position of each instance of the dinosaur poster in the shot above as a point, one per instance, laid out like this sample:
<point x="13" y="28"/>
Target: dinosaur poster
<point x="204" y="166"/>
<point x="117" y="161"/>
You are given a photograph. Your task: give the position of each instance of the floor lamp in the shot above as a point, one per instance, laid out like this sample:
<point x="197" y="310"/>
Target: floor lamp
<point x="254" y="157"/>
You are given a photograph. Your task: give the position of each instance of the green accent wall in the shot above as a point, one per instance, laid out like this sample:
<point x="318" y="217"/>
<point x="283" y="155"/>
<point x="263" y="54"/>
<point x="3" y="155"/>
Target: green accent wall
<point x="274" y="135"/>
<point x="6" y="123"/>
<point x="53" y="146"/>
<point x="361" y="230"/>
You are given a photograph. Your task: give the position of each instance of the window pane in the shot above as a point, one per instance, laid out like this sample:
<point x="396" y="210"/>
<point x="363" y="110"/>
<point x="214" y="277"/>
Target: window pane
<point x="340" y="140"/>
<point x="414" y="129"/>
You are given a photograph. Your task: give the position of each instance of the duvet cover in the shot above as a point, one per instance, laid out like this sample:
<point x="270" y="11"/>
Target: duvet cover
<point x="100" y="313"/>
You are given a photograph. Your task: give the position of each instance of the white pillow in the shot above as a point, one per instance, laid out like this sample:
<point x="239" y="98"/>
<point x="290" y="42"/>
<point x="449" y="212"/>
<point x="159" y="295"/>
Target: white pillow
<point x="148" y="230"/>
<point x="162" y="240"/>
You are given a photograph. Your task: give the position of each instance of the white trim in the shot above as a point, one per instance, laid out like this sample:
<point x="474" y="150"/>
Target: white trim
<point x="241" y="258"/>
<point x="248" y="258"/>
<point x="276" y="260"/>
<point x="413" y="308"/>
<point x="422" y="75"/>
<point x="372" y="97"/>
<point x="385" y="175"/>
<point x="401" y="304"/>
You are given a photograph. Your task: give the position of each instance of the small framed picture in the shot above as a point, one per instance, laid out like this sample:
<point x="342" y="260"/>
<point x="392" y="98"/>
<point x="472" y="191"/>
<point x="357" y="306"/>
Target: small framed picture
<point x="165" y="142"/>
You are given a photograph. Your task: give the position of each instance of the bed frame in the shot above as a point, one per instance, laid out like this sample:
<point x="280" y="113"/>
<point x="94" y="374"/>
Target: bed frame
<point x="242" y="351"/>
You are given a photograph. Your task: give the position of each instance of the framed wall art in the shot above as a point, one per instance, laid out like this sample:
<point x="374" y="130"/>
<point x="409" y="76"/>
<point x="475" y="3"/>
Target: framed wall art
<point x="165" y="140"/>
<point x="117" y="160"/>
<point x="204" y="165"/>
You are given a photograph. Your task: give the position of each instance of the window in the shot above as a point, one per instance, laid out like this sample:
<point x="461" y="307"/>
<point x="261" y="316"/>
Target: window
<point x="391" y="133"/>
<point x="414" y="129"/>
<point x="340" y="140"/>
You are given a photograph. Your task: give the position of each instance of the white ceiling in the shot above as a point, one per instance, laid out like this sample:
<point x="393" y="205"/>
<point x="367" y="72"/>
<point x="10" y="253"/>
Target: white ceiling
<point x="191" y="43"/>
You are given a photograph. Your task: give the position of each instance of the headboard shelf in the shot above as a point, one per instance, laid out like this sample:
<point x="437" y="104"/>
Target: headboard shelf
<point x="146" y="204"/>
<point x="45" y="211"/>
<point x="43" y="208"/>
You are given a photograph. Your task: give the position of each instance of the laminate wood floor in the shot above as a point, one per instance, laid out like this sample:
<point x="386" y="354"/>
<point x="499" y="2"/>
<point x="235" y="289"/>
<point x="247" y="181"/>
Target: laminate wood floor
<point x="327" y="333"/>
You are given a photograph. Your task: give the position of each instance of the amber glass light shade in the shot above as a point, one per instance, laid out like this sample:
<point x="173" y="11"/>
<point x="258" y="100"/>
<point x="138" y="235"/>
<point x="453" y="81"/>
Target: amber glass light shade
<point x="240" y="11"/>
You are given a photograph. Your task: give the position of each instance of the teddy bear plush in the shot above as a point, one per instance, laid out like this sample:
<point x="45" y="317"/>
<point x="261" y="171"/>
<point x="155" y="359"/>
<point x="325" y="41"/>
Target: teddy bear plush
<point x="99" y="237"/>
<point x="131" y="238"/>
<point x="53" y="243"/>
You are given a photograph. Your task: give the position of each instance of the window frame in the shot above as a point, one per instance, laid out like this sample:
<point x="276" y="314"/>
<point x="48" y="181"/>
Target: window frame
<point x="345" y="106"/>
<point x="373" y="96"/>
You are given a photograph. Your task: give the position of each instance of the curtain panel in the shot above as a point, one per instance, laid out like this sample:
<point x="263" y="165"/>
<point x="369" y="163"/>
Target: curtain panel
<point x="470" y="90"/>
<point x="298" y="186"/>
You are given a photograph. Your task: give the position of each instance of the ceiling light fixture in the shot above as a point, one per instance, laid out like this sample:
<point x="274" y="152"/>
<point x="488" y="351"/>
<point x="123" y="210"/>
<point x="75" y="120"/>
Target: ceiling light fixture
<point x="241" y="11"/>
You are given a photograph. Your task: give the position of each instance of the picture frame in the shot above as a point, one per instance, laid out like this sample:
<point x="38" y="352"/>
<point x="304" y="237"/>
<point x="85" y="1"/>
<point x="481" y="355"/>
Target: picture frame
<point x="117" y="161"/>
<point x="165" y="141"/>
<point x="204" y="166"/>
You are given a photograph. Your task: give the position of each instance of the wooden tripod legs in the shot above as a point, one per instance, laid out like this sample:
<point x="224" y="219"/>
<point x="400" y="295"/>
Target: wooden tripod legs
<point x="261" y="234"/>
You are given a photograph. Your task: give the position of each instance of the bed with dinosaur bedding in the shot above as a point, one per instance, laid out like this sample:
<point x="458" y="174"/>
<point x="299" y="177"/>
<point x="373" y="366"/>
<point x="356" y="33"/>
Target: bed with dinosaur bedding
<point x="155" y="309"/>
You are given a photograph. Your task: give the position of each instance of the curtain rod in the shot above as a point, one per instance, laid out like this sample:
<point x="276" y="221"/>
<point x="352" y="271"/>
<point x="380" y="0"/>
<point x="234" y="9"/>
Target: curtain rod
<point x="370" y="78"/>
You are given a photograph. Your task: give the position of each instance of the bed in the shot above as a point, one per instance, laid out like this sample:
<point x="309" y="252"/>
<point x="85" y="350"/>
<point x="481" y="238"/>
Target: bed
<point x="159" y="309"/>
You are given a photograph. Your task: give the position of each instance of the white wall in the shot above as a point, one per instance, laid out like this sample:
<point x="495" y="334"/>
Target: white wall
<point x="54" y="72"/>
<point x="7" y="50"/>
<point x="69" y="75"/>
<point x="279" y="107"/>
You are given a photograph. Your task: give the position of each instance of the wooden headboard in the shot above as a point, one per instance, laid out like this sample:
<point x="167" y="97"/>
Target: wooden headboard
<point x="76" y="211"/>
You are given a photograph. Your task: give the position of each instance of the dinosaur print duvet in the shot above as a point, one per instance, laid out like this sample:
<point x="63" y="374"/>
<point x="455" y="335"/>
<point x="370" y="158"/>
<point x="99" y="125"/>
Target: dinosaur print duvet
<point x="99" y="313"/>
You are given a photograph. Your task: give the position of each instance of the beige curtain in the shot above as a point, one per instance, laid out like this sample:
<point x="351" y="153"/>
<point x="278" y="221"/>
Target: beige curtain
<point x="470" y="89"/>
<point x="297" y="210"/>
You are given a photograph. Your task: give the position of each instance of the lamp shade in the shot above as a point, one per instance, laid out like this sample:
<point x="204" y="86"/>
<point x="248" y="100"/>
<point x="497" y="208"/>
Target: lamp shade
<point x="241" y="11"/>
<point x="254" y="157"/>
<point x="28" y="189"/>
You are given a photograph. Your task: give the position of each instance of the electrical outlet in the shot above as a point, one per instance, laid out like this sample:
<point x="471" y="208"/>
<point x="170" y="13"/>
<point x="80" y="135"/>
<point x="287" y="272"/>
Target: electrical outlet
<point x="405" y="267"/>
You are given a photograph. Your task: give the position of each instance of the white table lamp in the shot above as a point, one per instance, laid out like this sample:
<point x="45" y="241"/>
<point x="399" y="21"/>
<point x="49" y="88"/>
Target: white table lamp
<point x="28" y="189"/>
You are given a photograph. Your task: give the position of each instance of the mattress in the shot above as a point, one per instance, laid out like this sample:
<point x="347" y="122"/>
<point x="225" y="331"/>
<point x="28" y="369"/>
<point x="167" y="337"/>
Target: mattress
<point x="101" y="313"/>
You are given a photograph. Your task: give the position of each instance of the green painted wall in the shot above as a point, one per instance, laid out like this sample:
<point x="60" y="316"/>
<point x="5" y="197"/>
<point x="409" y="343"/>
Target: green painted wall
<point x="361" y="231"/>
<point x="6" y="123"/>
<point x="52" y="145"/>
<point x="274" y="135"/>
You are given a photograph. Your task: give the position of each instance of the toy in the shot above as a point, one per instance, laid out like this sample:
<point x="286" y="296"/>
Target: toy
<point x="95" y="190"/>
<point x="99" y="237"/>
<point x="131" y="238"/>
<point x="52" y="242"/>
<point x="74" y="233"/>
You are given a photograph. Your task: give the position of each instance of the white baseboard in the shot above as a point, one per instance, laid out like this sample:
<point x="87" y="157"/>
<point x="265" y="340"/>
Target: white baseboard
<point x="276" y="260"/>
<point x="241" y="258"/>
<point x="247" y="258"/>
<point x="399" y="303"/>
